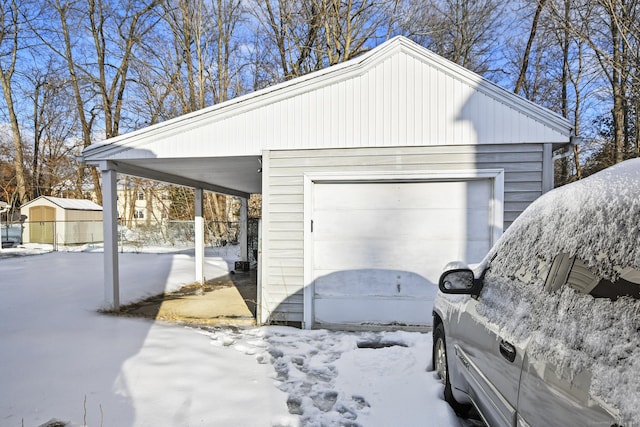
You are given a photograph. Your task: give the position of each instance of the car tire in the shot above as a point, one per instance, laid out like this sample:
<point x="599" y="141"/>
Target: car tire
<point x="441" y="366"/>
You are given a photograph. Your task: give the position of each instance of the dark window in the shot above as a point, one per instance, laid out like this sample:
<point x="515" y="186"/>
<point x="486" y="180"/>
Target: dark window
<point x="577" y="275"/>
<point x="617" y="289"/>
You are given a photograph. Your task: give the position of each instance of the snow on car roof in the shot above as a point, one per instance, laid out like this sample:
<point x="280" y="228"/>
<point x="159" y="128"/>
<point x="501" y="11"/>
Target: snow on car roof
<point x="597" y="220"/>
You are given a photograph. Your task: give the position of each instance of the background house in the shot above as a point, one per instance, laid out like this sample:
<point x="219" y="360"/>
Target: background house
<point x="58" y="221"/>
<point x="374" y="173"/>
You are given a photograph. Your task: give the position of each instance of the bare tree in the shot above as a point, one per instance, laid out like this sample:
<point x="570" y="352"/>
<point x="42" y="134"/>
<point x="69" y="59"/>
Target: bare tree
<point x="53" y="122"/>
<point x="204" y="38"/>
<point x="306" y="35"/>
<point x="613" y="35"/>
<point x="350" y="26"/>
<point x="130" y="21"/>
<point x="98" y="70"/>
<point x="616" y="75"/>
<point x="187" y="21"/>
<point x="551" y="67"/>
<point x="8" y="191"/>
<point x="191" y="62"/>
<point x="227" y="15"/>
<point x="290" y="30"/>
<point x="10" y="29"/>
<point x="465" y="32"/>
<point x="527" y="51"/>
<point x="76" y="80"/>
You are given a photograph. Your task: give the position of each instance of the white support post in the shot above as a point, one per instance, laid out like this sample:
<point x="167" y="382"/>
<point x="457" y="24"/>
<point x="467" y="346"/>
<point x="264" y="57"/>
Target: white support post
<point x="4" y="207"/>
<point x="199" y="235"/>
<point x="243" y="237"/>
<point x="110" y="229"/>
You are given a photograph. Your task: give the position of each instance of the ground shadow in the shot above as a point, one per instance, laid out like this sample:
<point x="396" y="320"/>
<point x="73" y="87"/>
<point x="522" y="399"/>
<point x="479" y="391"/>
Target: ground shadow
<point x="228" y="299"/>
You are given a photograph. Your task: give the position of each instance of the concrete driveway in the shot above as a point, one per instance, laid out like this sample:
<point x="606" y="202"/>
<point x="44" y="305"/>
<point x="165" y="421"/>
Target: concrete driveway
<point x="226" y="300"/>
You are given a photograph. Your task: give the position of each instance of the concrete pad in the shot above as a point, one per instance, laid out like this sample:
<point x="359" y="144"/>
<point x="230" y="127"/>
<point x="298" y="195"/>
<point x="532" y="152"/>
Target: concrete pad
<point x="229" y="300"/>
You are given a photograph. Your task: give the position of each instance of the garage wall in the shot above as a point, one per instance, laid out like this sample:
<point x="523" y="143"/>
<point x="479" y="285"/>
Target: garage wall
<point x="283" y="200"/>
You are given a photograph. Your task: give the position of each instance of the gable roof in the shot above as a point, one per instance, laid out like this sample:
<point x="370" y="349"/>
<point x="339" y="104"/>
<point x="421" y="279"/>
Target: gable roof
<point x="70" y="204"/>
<point x="396" y="94"/>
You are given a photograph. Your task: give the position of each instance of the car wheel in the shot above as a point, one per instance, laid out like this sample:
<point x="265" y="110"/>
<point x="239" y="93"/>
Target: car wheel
<point x="441" y="366"/>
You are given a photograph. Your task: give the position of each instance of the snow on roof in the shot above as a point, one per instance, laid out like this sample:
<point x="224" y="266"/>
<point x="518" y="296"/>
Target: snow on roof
<point x="71" y="204"/>
<point x="591" y="341"/>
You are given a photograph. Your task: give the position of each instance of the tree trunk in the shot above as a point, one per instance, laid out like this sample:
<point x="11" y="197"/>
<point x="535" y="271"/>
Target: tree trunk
<point x="527" y="51"/>
<point x="18" y="160"/>
<point x="9" y="31"/>
<point x="618" y="93"/>
<point x="86" y="124"/>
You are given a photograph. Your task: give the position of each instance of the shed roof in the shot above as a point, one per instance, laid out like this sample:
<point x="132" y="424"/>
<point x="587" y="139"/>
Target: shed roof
<point x="69" y="204"/>
<point x="398" y="94"/>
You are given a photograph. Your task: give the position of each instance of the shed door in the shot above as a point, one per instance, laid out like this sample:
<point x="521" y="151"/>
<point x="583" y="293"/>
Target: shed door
<point x="379" y="247"/>
<point x="41" y="224"/>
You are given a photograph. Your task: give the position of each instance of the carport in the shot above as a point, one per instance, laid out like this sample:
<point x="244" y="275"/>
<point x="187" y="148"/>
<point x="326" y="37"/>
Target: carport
<point x="233" y="176"/>
<point x="373" y="173"/>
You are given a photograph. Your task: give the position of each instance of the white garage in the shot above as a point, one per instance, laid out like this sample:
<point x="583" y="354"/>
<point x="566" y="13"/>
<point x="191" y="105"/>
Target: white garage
<point x="374" y="173"/>
<point x="377" y="244"/>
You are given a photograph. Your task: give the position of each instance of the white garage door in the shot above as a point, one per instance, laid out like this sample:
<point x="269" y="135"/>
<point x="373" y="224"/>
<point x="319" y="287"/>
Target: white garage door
<point x="378" y="248"/>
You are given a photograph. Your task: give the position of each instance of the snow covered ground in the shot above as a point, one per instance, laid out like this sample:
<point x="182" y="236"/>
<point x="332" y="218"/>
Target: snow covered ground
<point x="62" y="360"/>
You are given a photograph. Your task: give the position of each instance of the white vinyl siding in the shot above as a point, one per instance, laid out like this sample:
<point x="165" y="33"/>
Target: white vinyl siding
<point x="400" y="95"/>
<point x="283" y="199"/>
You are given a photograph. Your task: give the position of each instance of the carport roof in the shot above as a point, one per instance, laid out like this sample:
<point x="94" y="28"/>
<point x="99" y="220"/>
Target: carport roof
<point x="398" y="94"/>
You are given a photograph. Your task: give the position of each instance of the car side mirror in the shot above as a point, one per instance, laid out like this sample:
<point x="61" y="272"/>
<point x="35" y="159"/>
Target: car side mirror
<point x="459" y="281"/>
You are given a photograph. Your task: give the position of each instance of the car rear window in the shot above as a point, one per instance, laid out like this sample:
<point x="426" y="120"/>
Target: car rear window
<point x="617" y="289"/>
<point x="577" y="275"/>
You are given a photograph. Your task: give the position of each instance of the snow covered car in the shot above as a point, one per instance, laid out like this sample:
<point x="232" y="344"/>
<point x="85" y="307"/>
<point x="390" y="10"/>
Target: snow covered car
<point x="546" y="330"/>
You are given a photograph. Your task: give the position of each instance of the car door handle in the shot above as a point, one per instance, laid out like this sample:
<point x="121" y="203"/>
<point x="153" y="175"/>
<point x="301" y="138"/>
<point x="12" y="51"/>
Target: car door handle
<point x="507" y="350"/>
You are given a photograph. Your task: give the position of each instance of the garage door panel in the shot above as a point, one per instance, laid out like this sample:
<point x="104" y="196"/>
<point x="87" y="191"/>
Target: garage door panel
<point x="367" y="311"/>
<point x="413" y="223"/>
<point x="380" y="282"/>
<point x="399" y="196"/>
<point x="428" y="262"/>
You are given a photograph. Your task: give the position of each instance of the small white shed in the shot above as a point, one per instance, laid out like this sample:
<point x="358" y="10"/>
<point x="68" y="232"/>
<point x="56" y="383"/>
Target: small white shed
<point x="60" y="221"/>
<point x="374" y="174"/>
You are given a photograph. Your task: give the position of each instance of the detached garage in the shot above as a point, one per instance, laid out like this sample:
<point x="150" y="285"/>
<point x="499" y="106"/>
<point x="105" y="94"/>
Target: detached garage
<point x="374" y="174"/>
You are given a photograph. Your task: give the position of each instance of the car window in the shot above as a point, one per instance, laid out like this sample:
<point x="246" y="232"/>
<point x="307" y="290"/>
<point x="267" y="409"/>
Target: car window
<point x="619" y="288"/>
<point x="576" y="274"/>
